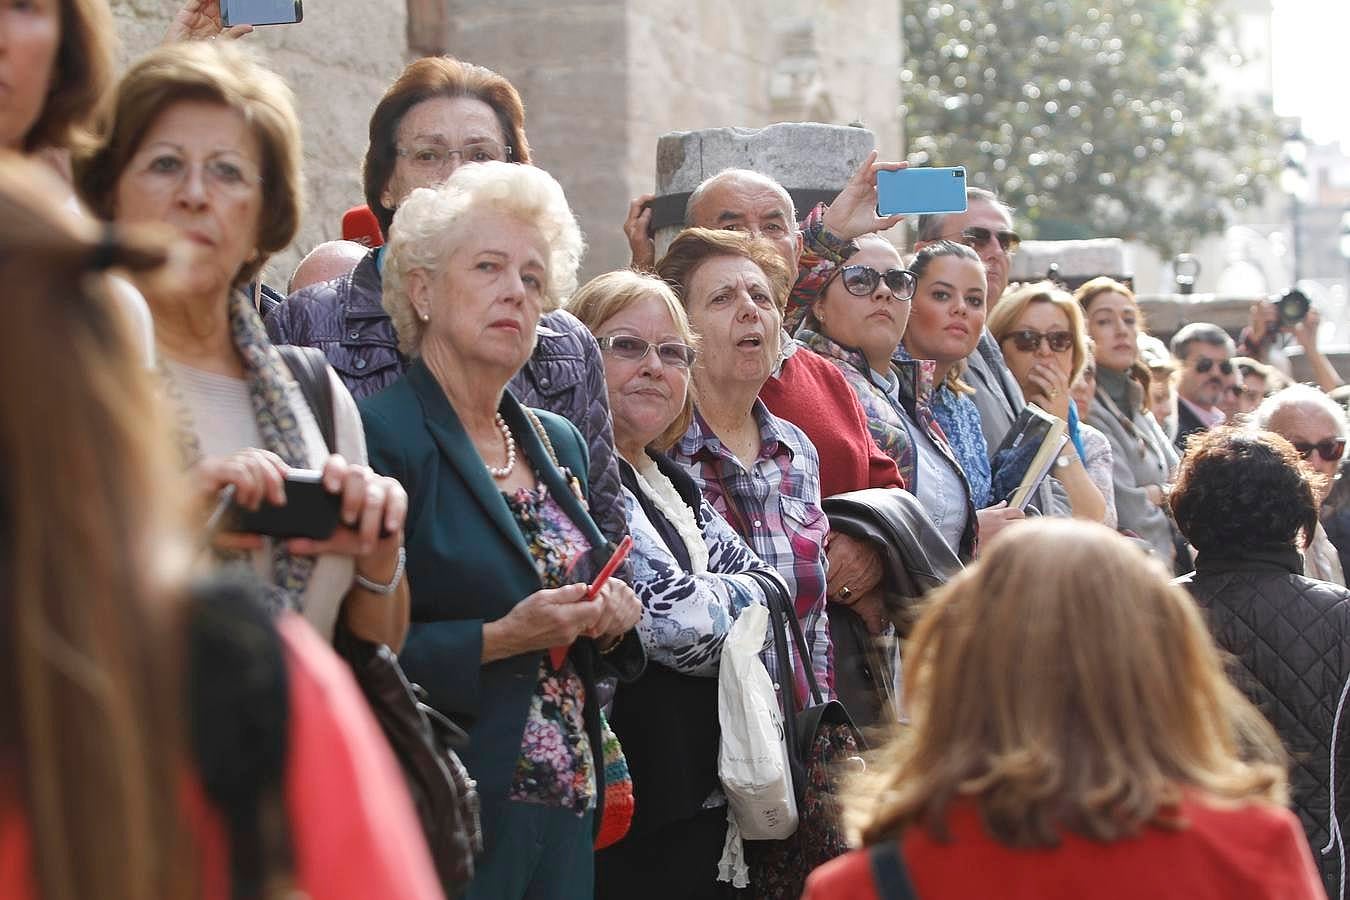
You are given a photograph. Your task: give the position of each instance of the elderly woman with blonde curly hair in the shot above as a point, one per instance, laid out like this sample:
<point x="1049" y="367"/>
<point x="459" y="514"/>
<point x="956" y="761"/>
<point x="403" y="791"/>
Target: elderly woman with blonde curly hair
<point x="1050" y="759"/>
<point x="500" y="541"/>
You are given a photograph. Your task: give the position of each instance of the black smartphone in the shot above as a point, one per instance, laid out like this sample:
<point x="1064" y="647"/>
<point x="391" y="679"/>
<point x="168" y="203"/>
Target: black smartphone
<point x="310" y="511"/>
<point x="260" y="12"/>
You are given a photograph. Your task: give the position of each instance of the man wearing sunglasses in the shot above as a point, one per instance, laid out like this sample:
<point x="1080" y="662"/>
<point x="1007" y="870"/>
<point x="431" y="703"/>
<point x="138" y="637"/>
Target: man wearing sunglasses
<point x="1204" y="353"/>
<point x="986" y="227"/>
<point x="1316" y="426"/>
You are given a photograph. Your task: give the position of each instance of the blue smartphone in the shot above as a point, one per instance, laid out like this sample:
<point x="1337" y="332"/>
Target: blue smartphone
<point x="260" y="12"/>
<point x="921" y="190"/>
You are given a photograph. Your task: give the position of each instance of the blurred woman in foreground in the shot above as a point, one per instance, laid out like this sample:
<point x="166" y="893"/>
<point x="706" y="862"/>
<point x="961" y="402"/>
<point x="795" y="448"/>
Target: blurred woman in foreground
<point x="1050" y="759"/>
<point x="103" y="791"/>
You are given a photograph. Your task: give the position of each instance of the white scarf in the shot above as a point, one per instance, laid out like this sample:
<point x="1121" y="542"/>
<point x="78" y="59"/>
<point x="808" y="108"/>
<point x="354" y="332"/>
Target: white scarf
<point x="661" y="492"/>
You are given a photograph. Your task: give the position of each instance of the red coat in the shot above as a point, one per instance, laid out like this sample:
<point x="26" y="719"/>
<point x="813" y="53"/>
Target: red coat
<point x="810" y="393"/>
<point x="1248" y="853"/>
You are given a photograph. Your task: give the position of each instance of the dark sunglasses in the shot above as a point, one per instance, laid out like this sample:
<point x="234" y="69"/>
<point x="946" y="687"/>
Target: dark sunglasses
<point x="1330" y="449"/>
<point x="1204" y="364"/>
<point x="863" y="280"/>
<point x="625" y="346"/>
<point x="1029" y="341"/>
<point x="978" y="237"/>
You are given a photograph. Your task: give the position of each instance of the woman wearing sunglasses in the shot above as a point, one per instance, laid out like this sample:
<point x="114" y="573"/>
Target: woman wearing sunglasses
<point x="1040" y="330"/>
<point x="1316" y="426"/>
<point x="692" y="573"/>
<point x="856" y="322"/>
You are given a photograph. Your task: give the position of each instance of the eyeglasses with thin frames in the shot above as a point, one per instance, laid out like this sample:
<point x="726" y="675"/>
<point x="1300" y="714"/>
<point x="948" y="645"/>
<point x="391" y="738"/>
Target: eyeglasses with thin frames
<point x="436" y="157"/>
<point x="221" y="174"/>
<point x="635" y="349"/>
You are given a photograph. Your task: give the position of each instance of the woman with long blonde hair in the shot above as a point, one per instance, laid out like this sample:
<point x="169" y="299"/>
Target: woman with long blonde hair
<point x="1073" y="735"/>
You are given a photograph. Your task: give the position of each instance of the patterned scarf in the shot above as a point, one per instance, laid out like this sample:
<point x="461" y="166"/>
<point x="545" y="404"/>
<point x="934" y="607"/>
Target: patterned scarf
<point x="267" y="377"/>
<point x="960" y="421"/>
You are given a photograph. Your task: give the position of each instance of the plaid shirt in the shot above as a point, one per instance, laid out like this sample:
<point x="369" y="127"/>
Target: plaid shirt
<point x="775" y="506"/>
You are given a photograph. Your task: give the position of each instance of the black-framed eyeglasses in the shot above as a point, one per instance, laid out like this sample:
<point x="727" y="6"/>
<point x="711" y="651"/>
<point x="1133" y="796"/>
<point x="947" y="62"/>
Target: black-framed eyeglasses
<point x="633" y="349"/>
<point x="861" y="281"/>
<point x="1029" y="341"/>
<point x="977" y="237"/>
<point x="1205" y="363"/>
<point x="1330" y="449"/>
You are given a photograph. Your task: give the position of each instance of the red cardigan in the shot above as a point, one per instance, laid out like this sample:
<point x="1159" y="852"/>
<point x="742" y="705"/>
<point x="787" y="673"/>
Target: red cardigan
<point x="810" y="393"/>
<point x="1248" y="853"/>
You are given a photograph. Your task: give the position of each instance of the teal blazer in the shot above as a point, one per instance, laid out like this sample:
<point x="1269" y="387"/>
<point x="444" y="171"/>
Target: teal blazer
<point x="468" y="564"/>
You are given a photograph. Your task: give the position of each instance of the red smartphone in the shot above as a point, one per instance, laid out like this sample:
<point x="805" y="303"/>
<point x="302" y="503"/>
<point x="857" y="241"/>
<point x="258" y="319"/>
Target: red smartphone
<point x="559" y="654"/>
<point x="620" y="554"/>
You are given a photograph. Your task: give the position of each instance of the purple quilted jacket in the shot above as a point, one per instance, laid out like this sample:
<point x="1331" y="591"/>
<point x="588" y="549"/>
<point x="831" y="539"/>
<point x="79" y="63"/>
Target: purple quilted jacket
<point x="345" y="319"/>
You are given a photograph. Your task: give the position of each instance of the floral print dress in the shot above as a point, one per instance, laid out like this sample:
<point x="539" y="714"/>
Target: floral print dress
<point x="555" y="767"/>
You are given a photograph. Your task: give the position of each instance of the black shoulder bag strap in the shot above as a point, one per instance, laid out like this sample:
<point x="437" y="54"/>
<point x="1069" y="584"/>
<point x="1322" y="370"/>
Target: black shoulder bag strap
<point x="309" y="368"/>
<point x="889" y="872"/>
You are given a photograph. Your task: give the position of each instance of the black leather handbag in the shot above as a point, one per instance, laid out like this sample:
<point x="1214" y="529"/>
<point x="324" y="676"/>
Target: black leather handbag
<point x="445" y="797"/>
<point x="423" y="740"/>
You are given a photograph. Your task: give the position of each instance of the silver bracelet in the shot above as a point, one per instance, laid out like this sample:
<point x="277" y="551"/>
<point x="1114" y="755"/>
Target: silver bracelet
<point x="384" y="590"/>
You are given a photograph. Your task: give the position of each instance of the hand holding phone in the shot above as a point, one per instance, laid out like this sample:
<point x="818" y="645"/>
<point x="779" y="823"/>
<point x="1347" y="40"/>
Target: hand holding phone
<point x="559" y="654"/>
<point x="261" y="12"/>
<point x="310" y="511"/>
<point x="920" y="191"/>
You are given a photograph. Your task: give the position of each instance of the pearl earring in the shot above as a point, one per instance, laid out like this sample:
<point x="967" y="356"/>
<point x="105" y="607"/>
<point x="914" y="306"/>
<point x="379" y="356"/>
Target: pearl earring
<point x="426" y="317"/>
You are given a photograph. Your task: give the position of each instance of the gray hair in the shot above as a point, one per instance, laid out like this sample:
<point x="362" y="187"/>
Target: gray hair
<point x="429" y="224"/>
<point x="932" y="225"/>
<point x="1203" y="332"/>
<point x="1285" y="400"/>
<point x="696" y="197"/>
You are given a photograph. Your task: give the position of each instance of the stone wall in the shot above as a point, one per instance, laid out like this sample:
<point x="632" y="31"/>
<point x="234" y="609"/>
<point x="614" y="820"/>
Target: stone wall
<point x="338" y="61"/>
<point x="602" y="80"/>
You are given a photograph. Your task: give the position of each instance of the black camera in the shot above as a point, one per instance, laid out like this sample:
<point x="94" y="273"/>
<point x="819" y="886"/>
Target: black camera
<point x="1292" y="307"/>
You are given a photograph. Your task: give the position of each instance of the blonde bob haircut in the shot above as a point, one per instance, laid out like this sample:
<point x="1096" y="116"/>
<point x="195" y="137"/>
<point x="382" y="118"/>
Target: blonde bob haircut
<point x="430" y="223"/>
<point x="1003" y="319"/>
<point x="695" y="246"/>
<point x="604" y="297"/>
<point x="223" y="73"/>
<point x="1026" y="702"/>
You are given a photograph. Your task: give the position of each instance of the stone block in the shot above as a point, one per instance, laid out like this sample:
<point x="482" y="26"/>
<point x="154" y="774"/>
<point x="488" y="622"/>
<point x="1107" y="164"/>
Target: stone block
<point x="1077" y="260"/>
<point x="812" y="160"/>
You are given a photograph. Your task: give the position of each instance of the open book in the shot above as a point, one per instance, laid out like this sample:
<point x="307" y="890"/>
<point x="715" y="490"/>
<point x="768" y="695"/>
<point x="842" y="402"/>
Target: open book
<point x="1024" y="458"/>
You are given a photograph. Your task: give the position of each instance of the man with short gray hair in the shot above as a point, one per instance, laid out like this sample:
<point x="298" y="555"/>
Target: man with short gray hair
<point x="1316" y="426"/>
<point x="1205" y="356"/>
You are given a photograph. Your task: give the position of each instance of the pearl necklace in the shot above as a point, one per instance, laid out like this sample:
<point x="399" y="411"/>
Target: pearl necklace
<point x="506" y="470"/>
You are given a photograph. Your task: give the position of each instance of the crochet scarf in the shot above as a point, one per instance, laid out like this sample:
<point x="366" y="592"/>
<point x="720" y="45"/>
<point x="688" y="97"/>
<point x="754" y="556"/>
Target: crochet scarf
<point x="267" y="378"/>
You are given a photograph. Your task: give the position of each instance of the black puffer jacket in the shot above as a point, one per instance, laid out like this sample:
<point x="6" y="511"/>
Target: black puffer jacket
<point x="1291" y="639"/>
<point x="345" y="319"/>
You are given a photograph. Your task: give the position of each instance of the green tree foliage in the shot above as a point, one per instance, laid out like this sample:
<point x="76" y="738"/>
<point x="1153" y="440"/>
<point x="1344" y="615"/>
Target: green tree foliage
<point x="1092" y="117"/>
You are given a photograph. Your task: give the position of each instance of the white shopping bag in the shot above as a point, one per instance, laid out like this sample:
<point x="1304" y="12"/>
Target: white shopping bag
<point x="753" y="759"/>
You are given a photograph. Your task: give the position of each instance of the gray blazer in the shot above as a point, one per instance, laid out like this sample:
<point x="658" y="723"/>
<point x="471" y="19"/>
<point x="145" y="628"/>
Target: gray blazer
<point x="999" y="400"/>
<point x="1136" y="467"/>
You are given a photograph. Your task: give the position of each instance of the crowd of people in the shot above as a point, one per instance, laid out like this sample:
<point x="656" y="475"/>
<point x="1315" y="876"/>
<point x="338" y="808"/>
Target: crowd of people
<point x="1131" y="683"/>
